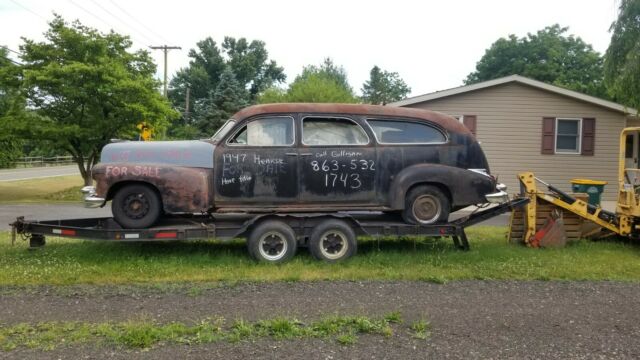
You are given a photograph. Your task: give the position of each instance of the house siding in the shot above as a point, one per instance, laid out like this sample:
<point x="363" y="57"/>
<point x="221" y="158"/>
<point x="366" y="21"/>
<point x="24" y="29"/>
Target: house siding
<point x="509" y="128"/>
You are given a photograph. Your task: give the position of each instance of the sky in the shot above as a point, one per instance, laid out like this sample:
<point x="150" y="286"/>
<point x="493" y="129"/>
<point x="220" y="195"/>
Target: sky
<point x="433" y="45"/>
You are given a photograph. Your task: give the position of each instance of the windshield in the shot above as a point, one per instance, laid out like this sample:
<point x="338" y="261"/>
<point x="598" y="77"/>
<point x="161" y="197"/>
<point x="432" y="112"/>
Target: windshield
<point x="224" y="129"/>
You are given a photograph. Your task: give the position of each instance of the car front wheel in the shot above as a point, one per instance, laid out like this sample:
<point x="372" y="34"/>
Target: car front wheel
<point x="425" y="205"/>
<point x="136" y="206"/>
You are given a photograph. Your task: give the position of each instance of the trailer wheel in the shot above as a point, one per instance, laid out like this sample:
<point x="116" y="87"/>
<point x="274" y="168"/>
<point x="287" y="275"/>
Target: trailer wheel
<point x="332" y="241"/>
<point x="426" y="205"/>
<point x="136" y="206"/>
<point x="272" y="241"/>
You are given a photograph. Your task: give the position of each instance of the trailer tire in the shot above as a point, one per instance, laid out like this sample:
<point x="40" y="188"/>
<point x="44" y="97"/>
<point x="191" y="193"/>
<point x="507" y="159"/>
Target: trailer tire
<point x="332" y="241"/>
<point x="426" y="205"/>
<point x="272" y="241"/>
<point x="136" y="206"/>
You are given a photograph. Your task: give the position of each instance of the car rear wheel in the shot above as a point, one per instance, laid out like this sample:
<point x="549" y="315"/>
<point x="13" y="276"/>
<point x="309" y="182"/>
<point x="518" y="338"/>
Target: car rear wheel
<point x="136" y="206"/>
<point x="426" y="204"/>
<point x="332" y="241"/>
<point x="272" y="241"/>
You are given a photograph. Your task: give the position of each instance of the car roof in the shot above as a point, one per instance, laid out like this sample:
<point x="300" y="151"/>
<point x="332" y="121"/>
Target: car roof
<point x="445" y="121"/>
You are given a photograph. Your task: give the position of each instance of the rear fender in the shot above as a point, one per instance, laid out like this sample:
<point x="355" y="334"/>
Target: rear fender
<point x="464" y="186"/>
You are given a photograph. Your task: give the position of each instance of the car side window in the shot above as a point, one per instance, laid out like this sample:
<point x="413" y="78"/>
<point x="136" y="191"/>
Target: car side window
<point x="332" y="131"/>
<point x="267" y="131"/>
<point x="405" y="132"/>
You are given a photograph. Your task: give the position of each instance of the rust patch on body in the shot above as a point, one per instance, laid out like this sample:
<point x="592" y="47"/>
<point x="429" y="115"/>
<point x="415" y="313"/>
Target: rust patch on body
<point x="182" y="189"/>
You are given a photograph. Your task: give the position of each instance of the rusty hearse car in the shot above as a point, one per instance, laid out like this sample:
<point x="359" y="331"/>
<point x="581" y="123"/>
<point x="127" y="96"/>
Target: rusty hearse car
<point x="302" y="158"/>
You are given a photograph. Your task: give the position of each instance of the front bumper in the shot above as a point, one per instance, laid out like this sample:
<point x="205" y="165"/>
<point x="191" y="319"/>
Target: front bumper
<point x="499" y="196"/>
<point x="90" y="198"/>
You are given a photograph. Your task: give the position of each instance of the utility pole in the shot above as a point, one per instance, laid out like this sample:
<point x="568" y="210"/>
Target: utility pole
<point x="166" y="49"/>
<point x="186" y="106"/>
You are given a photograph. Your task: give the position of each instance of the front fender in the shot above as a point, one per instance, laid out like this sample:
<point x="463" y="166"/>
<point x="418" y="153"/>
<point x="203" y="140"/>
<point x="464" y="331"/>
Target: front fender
<point x="182" y="189"/>
<point x="465" y="187"/>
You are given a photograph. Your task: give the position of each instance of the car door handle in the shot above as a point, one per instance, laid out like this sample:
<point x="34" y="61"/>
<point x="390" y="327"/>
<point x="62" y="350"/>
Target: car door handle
<point x="292" y="154"/>
<point x="306" y="154"/>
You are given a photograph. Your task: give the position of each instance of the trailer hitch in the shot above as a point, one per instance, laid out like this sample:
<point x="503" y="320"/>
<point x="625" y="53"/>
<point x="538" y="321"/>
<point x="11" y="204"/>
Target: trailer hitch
<point x="17" y="227"/>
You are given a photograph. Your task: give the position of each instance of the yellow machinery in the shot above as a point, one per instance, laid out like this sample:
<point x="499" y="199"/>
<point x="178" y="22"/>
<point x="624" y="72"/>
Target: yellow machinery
<point x="623" y="222"/>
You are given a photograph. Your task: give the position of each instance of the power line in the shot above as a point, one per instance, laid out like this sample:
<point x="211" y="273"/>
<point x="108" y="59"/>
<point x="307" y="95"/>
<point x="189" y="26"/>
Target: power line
<point x="98" y="18"/>
<point x="29" y="10"/>
<point x="13" y="51"/>
<point x="122" y="22"/>
<point x="13" y="61"/>
<point x="139" y="22"/>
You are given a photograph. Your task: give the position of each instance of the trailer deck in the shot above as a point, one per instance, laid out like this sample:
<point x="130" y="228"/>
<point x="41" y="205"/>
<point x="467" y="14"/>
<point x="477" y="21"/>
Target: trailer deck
<point x="230" y="226"/>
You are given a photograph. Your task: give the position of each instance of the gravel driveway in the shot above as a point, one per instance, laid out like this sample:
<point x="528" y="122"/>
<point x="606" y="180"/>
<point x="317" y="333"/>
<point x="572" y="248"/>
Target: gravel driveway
<point x="470" y="319"/>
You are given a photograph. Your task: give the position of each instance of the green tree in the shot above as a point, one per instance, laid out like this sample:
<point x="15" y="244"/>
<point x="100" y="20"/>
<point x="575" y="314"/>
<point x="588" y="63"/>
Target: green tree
<point x="11" y="105"/>
<point x="326" y="83"/>
<point x="227" y="98"/>
<point x="549" y="56"/>
<point x="622" y="59"/>
<point x="83" y="88"/>
<point x="247" y="61"/>
<point x="327" y="70"/>
<point x="384" y="87"/>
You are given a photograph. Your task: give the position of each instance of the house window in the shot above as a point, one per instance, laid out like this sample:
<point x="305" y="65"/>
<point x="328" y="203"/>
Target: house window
<point x="568" y="136"/>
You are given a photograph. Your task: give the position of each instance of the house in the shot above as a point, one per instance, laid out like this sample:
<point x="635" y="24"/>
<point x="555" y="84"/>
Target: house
<point x="527" y="125"/>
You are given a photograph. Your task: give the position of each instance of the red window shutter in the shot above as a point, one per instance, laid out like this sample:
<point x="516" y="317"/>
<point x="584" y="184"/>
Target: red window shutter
<point x="588" y="136"/>
<point x="470" y="121"/>
<point x="548" y="135"/>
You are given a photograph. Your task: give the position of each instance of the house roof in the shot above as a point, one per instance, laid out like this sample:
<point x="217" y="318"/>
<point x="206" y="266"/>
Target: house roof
<point x="518" y="79"/>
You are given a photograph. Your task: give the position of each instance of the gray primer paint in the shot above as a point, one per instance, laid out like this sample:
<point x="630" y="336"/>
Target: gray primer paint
<point x="180" y="153"/>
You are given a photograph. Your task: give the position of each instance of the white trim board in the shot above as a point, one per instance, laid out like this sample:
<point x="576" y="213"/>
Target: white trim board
<point x="518" y="79"/>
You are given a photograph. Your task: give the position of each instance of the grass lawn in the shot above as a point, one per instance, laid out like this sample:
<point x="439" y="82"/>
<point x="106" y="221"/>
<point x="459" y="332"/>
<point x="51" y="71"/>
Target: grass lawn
<point x="64" y="261"/>
<point x="53" y="189"/>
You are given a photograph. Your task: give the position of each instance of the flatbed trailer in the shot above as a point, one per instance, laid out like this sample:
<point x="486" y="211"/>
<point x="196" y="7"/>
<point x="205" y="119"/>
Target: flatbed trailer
<point x="340" y="229"/>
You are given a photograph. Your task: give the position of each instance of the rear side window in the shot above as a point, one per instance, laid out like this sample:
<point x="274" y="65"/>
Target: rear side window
<point x="405" y="132"/>
<point x="332" y="131"/>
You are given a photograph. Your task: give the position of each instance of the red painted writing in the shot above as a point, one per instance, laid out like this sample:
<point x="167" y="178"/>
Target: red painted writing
<point x="149" y="171"/>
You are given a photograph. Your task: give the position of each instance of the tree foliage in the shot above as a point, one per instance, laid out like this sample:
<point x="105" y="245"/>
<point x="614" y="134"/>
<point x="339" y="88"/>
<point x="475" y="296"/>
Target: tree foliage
<point x="220" y="104"/>
<point x="11" y="105"/>
<point x="83" y="88"/>
<point x="622" y="59"/>
<point x="209" y="67"/>
<point x="384" y="87"/>
<point x="326" y="83"/>
<point x="549" y="56"/>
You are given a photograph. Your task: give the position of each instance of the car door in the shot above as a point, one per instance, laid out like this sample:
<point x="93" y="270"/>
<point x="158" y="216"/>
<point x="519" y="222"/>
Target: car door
<point x="405" y="142"/>
<point x="337" y="161"/>
<point x="255" y="166"/>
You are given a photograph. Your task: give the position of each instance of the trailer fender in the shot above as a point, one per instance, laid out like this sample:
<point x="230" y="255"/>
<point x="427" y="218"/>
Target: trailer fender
<point x="244" y="229"/>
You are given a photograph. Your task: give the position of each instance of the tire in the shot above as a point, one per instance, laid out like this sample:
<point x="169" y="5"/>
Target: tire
<point x="332" y="241"/>
<point x="425" y="205"/>
<point x="272" y="241"/>
<point x="136" y="206"/>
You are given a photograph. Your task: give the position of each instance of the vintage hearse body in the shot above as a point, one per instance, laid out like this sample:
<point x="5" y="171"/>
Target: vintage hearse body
<point x="302" y="158"/>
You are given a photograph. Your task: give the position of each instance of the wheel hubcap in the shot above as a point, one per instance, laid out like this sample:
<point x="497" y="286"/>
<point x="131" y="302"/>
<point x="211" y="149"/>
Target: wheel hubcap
<point x="427" y="209"/>
<point x="333" y="244"/>
<point x="272" y="246"/>
<point x="136" y="206"/>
